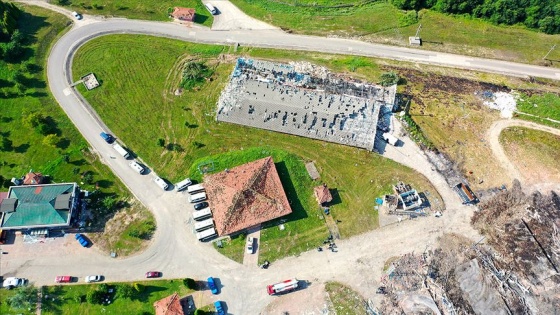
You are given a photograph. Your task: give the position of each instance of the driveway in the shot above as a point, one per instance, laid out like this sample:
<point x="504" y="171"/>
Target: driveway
<point x="229" y="17"/>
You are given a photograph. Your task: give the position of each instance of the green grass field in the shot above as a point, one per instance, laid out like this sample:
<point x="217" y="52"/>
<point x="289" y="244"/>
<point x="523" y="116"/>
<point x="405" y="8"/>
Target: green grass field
<point x="142" y="10"/>
<point x="383" y="23"/>
<point x="69" y="159"/>
<point x="5" y="308"/>
<point x="344" y="300"/>
<point x="139" y="85"/>
<point x="535" y="153"/>
<point x="545" y="106"/>
<point x="71" y="299"/>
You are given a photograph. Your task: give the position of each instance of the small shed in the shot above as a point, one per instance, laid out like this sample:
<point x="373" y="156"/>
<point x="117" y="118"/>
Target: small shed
<point x="32" y="178"/>
<point x="183" y="14"/>
<point x="322" y="194"/>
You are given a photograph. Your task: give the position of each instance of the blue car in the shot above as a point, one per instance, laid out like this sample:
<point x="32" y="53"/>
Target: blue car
<point x="212" y="285"/>
<point x="107" y="137"/>
<point x="219" y="308"/>
<point x="83" y="241"/>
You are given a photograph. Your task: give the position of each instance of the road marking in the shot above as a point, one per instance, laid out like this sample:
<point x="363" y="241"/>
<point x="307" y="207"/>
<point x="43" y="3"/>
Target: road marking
<point x="67" y="91"/>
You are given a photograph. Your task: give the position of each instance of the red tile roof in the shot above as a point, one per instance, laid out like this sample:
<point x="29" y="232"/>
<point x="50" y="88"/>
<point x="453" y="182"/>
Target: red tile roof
<point x="170" y="305"/>
<point x="184" y="14"/>
<point x="322" y="194"/>
<point x="33" y="179"/>
<point x="245" y="196"/>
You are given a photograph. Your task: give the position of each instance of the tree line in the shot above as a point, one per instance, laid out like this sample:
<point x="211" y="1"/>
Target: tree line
<point x="542" y="15"/>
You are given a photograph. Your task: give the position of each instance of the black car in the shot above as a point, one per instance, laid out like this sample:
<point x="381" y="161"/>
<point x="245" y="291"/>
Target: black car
<point x="200" y="205"/>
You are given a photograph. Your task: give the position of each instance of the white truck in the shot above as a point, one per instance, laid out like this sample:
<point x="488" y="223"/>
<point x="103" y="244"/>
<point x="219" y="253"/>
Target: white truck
<point x="13" y="282"/>
<point x="121" y="150"/>
<point x="282" y="287"/>
<point x="392" y="140"/>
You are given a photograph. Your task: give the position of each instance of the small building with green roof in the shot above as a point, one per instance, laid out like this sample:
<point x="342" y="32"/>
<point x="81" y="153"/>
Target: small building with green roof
<point x="39" y="206"/>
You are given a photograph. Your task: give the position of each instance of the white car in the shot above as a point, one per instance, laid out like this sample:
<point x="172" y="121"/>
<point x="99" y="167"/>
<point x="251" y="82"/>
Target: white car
<point x="161" y="183"/>
<point x="95" y="278"/>
<point x="77" y="15"/>
<point x="137" y="167"/>
<point x="13" y="282"/>
<point x="250" y="241"/>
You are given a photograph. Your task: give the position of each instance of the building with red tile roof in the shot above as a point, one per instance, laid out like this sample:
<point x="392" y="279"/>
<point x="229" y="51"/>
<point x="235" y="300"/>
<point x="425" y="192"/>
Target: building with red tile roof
<point x="183" y="14"/>
<point x="170" y="305"/>
<point x="245" y="196"/>
<point x="322" y="194"/>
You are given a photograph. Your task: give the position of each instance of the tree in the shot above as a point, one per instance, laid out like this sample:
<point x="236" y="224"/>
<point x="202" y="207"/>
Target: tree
<point x="194" y="73"/>
<point x="161" y="142"/>
<point x="6" y="144"/>
<point x="189" y="283"/>
<point x="33" y="119"/>
<point x="50" y="140"/>
<point x="109" y="202"/>
<point x="389" y="78"/>
<point x="25" y="297"/>
<point x="94" y="297"/>
<point x="125" y="291"/>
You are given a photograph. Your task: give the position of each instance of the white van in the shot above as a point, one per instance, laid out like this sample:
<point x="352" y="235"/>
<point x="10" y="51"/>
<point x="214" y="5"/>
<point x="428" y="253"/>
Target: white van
<point x="203" y="225"/>
<point x="206" y="234"/>
<point x="211" y="8"/>
<point x="183" y="184"/>
<point x="121" y="150"/>
<point x="137" y="167"/>
<point x="202" y="214"/>
<point x="193" y="189"/>
<point x="161" y="183"/>
<point x="197" y="197"/>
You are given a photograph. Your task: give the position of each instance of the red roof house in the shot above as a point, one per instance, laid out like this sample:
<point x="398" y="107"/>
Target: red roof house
<point x="170" y="305"/>
<point x="245" y="196"/>
<point x="322" y="194"/>
<point x="33" y="179"/>
<point x="183" y="14"/>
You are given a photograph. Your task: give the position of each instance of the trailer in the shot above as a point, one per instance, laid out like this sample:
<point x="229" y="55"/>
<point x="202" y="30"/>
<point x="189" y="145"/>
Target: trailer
<point x="392" y="140"/>
<point x="193" y="189"/>
<point x="282" y="287"/>
<point x="203" y="225"/>
<point x="206" y="234"/>
<point x="121" y="150"/>
<point x="202" y="214"/>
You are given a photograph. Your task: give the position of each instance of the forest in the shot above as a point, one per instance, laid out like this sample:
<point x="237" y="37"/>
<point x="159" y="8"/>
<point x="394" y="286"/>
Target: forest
<point x="541" y="15"/>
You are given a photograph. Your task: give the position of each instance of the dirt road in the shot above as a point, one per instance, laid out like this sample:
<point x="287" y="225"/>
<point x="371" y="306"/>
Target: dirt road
<point x="493" y="138"/>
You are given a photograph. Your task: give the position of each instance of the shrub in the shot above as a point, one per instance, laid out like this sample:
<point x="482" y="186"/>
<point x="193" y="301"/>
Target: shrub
<point x="389" y="78"/>
<point x="189" y="283"/>
<point x="138" y="287"/>
<point x="94" y="297"/>
<point x="125" y="291"/>
<point x="25" y="297"/>
<point x="161" y="142"/>
<point x="50" y="140"/>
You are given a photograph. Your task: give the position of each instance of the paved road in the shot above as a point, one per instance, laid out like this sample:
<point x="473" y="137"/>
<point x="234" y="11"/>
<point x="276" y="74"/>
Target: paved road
<point x="174" y="249"/>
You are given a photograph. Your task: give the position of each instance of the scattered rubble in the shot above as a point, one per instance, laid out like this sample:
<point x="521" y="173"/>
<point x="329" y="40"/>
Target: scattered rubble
<point x="505" y="102"/>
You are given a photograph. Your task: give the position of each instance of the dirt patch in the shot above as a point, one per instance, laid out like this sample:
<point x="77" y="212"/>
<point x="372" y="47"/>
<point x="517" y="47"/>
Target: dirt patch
<point x="310" y="301"/>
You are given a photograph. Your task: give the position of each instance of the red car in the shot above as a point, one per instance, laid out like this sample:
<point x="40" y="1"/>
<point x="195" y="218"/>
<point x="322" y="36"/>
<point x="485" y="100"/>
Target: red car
<point x="153" y="274"/>
<point x="63" y="279"/>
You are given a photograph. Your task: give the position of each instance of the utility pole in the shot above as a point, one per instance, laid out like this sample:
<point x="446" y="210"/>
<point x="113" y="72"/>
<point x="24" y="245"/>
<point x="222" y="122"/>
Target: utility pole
<point x="418" y="31"/>
<point x="551" y="49"/>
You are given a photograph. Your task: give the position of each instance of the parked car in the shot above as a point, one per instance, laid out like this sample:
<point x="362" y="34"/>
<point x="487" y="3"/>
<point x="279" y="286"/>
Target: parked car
<point x="219" y="308"/>
<point x="95" y="278"/>
<point x="153" y="274"/>
<point x="161" y="183"/>
<point x="137" y="167"/>
<point x="63" y="279"/>
<point x="107" y="137"/>
<point x="77" y="15"/>
<point x="201" y="205"/>
<point x="83" y="240"/>
<point x="250" y="241"/>
<point x="212" y="285"/>
<point x="13" y="282"/>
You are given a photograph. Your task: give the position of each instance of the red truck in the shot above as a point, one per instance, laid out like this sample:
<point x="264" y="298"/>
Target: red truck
<point x="282" y="287"/>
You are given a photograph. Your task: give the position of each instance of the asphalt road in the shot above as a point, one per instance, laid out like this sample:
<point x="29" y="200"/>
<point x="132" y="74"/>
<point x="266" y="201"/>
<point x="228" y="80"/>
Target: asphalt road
<point x="174" y="249"/>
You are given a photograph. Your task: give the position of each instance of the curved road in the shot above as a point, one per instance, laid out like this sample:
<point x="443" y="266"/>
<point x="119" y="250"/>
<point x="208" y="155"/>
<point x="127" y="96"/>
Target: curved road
<point x="174" y="249"/>
<point x="493" y="137"/>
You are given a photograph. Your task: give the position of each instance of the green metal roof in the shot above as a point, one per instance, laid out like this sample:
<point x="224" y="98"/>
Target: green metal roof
<point x="36" y="206"/>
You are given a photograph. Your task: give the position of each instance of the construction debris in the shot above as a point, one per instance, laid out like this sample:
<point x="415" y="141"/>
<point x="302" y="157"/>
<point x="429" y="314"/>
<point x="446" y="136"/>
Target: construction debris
<point x="305" y="100"/>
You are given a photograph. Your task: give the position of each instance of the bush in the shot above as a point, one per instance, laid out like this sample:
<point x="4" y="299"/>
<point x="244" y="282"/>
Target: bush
<point x="125" y="291"/>
<point x="94" y="297"/>
<point x="143" y="231"/>
<point x="138" y="287"/>
<point x="189" y="283"/>
<point x="50" y="140"/>
<point x="25" y="297"/>
<point x="161" y="142"/>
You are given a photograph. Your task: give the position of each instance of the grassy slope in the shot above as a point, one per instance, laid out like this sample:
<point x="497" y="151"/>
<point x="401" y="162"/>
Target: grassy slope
<point x="143" y="10"/>
<point x="43" y="26"/>
<point x="65" y="299"/>
<point x="542" y="105"/>
<point x="535" y="153"/>
<point x="380" y="22"/>
<point x="139" y="85"/>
